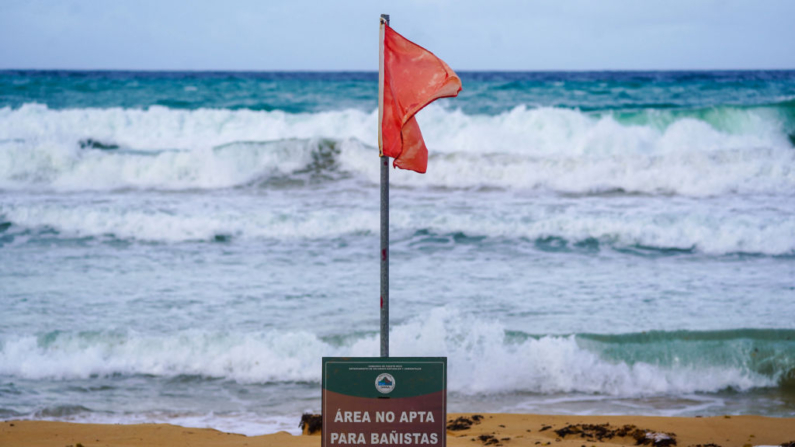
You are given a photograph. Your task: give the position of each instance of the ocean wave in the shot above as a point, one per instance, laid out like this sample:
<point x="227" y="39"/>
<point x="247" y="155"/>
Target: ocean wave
<point x="225" y="166"/>
<point x="483" y="358"/>
<point x="712" y="152"/>
<point x="712" y="229"/>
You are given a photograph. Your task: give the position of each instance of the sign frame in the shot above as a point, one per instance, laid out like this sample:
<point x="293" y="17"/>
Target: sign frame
<point x="408" y="408"/>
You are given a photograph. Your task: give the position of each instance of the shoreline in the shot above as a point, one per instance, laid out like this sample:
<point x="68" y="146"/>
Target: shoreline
<point x="492" y="429"/>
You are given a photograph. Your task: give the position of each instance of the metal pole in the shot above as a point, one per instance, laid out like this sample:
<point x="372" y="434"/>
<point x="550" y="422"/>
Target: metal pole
<point x="384" y="160"/>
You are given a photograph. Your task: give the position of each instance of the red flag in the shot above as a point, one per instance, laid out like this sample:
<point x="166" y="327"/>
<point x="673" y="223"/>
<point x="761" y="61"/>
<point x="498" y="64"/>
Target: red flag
<point x="413" y="78"/>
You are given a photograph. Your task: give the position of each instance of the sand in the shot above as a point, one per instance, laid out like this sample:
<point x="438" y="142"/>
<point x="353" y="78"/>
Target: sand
<point x="497" y="429"/>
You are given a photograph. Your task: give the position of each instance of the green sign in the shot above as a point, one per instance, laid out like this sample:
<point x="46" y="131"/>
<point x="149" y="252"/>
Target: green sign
<point x="376" y="401"/>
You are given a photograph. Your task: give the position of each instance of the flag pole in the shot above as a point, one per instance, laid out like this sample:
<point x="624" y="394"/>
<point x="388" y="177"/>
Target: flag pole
<point x="384" y="160"/>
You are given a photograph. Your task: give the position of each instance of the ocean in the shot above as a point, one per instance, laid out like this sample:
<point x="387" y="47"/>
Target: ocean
<point x="185" y="247"/>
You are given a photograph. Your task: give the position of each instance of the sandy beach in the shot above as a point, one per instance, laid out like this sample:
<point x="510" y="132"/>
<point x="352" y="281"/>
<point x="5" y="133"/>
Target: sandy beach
<point x="491" y="429"/>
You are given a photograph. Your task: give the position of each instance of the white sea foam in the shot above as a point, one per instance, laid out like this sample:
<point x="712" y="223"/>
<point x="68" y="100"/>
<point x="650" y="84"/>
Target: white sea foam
<point x="743" y="151"/>
<point x="248" y="424"/>
<point x="159" y="128"/>
<point x="714" y="228"/>
<point x="482" y="359"/>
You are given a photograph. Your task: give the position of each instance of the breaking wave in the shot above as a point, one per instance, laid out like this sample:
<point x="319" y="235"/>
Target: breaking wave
<point x="711" y="229"/>
<point x="698" y="153"/>
<point x="484" y="358"/>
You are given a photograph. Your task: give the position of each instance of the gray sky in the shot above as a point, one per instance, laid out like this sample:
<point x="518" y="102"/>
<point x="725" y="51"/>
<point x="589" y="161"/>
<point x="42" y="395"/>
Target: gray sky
<point x="342" y="34"/>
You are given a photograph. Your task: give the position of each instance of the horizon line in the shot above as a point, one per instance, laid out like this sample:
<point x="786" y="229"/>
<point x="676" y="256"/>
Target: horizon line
<point x="191" y="70"/>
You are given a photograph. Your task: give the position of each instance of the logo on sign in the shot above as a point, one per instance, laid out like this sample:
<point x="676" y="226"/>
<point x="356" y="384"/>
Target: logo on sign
<point x="385" y="383"/>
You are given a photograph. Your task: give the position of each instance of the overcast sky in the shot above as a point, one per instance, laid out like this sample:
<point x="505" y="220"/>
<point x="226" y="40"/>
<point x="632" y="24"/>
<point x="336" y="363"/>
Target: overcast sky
<point x="342" y="34"/>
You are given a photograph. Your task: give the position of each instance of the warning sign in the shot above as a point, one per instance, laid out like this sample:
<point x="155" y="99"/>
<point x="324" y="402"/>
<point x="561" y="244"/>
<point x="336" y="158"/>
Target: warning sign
<point x="375" y="401"/>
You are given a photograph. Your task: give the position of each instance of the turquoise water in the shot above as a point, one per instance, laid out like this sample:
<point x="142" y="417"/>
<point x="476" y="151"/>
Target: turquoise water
<point x="311" y="92"/>
<point x="185" y="247"/>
